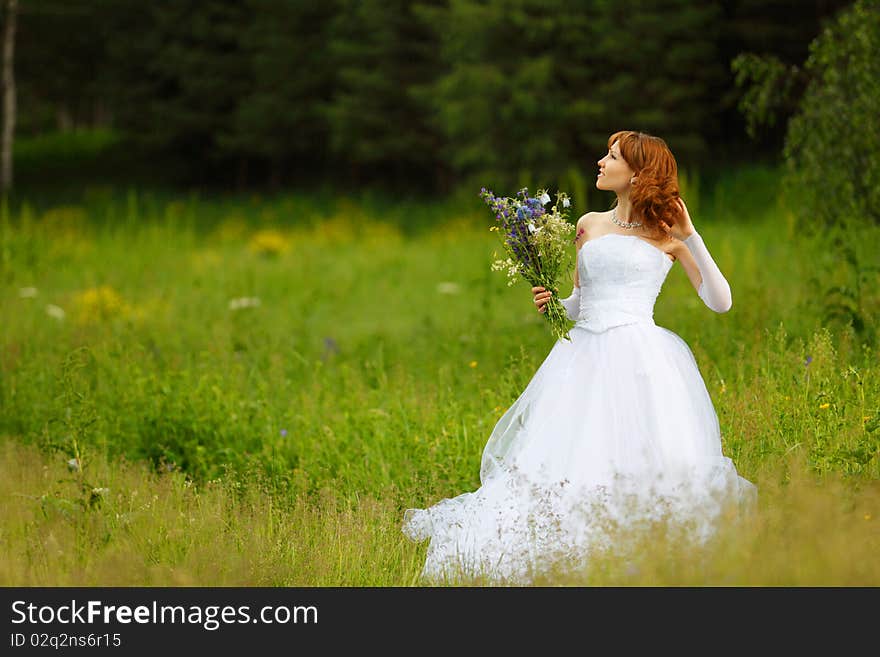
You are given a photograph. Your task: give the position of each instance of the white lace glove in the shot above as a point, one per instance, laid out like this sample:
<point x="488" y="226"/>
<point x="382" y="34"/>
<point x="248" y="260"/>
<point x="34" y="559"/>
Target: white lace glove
<point x="573" y="304"/>
<point x="714" y="289"/>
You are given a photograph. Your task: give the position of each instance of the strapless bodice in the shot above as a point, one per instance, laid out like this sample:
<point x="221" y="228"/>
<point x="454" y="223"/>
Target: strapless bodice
<point x="620" y="277"/>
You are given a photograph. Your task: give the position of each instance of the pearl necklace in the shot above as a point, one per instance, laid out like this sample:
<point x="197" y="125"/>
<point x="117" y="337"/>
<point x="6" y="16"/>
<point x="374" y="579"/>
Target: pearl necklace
<point x="631" y="224"/>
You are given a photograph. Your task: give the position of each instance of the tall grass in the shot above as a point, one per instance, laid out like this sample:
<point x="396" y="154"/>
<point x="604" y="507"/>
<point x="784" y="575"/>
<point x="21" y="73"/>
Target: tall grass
<point x="140" y="527"/>
<point x="343" y="359"/>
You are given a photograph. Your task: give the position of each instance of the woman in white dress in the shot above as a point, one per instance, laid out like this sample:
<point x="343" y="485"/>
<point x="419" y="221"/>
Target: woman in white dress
<point x="616" y="427"/>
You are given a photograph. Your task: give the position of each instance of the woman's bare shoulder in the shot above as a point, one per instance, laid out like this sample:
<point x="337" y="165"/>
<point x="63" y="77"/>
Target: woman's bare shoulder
<point x="585" y="219"/>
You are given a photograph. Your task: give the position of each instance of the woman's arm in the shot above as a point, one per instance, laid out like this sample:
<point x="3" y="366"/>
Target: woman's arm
<point x="573" y="303"/>
<point x="713" y="288"/>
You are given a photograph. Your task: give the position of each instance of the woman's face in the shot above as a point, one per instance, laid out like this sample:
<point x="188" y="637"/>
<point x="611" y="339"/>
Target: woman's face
<point x="614" y="173"/>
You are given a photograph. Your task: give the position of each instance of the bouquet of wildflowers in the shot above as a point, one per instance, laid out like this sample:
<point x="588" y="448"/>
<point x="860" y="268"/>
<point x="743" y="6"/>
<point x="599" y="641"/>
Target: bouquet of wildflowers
<point x="537" y="243"/>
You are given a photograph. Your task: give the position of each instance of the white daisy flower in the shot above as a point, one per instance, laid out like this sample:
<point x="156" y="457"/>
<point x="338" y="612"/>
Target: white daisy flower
<point x="244" y="302"/>
<point x="55" y="311"/>
<point x="447" y="287"/>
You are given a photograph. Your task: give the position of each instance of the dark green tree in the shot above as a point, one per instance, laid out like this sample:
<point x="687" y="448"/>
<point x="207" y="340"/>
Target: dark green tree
<point x="278" y="126"/>
<point x="766" y="42"/>
<point x="499" y="98"/>
<point x="61" y="47"/>
<point x="538" y="86"/>
<point x="379" y="129"/>
<point x="177" y="85"/>
<point x="654" y="67"/>
<point x="832" y="146"/>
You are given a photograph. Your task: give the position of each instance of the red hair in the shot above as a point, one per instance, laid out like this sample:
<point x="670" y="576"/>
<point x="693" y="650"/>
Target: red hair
<point x="655" y="190"/>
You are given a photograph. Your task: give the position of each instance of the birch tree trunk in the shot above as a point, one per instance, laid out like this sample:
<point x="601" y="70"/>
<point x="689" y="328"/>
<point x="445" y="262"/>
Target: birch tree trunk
<point x="11" y="8"/>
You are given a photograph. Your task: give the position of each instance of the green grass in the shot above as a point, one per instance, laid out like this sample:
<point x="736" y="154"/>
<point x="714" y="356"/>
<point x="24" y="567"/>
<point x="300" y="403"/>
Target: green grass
<point x="146" y="528"/>
<point x="364" y="383"/>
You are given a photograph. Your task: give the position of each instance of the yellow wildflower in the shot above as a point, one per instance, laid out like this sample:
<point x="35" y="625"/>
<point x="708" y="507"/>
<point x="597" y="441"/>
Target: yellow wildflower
<point x="99" y="303"/>
<point x="269" y="242"/>
<point x="825" y="405"/>
<point x="473" y="363"/>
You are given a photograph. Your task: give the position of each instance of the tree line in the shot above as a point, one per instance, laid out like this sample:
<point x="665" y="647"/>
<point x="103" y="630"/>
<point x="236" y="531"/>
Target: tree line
<point x="407" y="93"/>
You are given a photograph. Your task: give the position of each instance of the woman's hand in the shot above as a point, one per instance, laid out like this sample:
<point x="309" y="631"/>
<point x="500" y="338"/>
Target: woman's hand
<point x="542" y="296"/>
<point x="683" y="227"/>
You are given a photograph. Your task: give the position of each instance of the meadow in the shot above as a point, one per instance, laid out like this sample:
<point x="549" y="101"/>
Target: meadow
<point x="250" y="390"/>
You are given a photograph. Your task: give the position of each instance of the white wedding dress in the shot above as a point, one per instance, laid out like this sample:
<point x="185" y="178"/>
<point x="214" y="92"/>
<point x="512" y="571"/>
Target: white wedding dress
<point x="615" y="428"/>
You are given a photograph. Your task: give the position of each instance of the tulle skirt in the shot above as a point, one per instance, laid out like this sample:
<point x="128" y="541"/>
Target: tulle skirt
<point x="616" y="429"/>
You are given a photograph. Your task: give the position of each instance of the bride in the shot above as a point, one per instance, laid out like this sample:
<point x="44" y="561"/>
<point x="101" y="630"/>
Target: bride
<point x="616" y="428"/>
